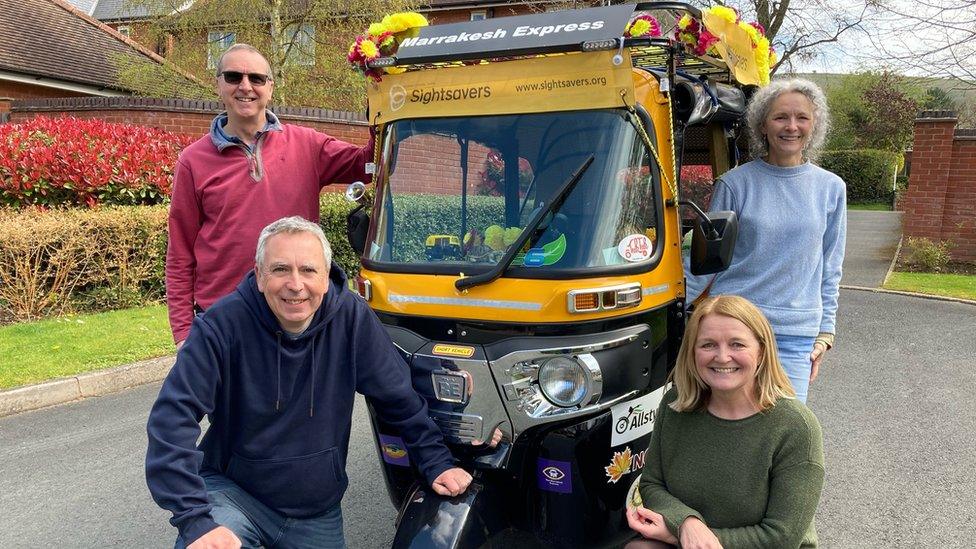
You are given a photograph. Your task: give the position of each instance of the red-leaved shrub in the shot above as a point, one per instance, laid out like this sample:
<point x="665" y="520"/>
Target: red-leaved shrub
<point x="50" y="162"/>
<point x="696" y="185"/>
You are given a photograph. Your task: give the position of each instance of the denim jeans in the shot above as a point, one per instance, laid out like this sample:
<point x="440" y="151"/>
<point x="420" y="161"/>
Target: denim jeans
<point x="794" y="354"/>
<point x="259" y="526"/>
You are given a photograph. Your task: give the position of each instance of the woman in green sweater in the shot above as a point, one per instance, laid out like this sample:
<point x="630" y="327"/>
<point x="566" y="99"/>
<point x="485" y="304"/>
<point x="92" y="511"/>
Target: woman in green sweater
<point x="735" y="461"/>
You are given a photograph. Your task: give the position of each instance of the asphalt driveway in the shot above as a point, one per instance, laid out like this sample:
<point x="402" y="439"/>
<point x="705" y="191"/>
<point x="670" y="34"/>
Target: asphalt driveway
<point x="895" y="401"/>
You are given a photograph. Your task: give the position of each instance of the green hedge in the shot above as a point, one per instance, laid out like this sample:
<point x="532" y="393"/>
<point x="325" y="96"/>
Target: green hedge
<point x="333" y="209"/>
<point x="418" y="216"/>
<point x="73" y="260"/>
<point x="60" y="261"/>
<point x="868" y="172"/>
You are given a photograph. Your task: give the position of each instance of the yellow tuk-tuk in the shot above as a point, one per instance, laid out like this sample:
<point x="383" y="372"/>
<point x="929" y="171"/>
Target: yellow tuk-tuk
<point x="524" y="251"/>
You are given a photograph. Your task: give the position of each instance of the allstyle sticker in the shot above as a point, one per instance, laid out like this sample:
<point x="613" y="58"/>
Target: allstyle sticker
<point x="554" y="476"/>
<point x="634" y="418"/>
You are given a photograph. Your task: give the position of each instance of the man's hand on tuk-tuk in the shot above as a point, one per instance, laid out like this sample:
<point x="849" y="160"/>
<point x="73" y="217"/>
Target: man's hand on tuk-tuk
<point x="452" y="482"/>
<point x="496" y="437"/>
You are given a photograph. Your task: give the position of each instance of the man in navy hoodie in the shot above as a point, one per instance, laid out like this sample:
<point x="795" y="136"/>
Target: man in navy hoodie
<point x="274" y="366"/>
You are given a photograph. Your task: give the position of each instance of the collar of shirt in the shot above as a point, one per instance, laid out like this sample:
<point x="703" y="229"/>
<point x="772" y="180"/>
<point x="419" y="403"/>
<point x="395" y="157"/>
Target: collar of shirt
<point x="221" y="139"/>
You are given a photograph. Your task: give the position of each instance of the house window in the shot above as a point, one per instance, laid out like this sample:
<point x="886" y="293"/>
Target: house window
<point x="124" y="30"/>
<point x="302" y="40"/>
<point x="479" y="15"/>
<point x="217" y="43"/>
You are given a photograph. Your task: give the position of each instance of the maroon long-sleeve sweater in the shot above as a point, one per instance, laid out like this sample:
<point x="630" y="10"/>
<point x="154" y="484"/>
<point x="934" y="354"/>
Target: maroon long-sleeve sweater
<point x="222" y="199"/>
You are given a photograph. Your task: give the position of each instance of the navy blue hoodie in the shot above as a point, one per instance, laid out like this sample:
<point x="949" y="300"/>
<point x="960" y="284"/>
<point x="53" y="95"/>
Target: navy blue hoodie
<point x="279" y="406"/>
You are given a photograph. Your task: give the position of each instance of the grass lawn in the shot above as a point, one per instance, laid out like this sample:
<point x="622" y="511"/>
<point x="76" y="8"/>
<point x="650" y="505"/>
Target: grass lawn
<point x="48" y="349"/>
<point x="874" y="206"/>
<point x="952" y="285"/>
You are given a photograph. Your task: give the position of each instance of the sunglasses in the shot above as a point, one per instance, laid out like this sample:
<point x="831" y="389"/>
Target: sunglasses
<point x="235" y="77"/>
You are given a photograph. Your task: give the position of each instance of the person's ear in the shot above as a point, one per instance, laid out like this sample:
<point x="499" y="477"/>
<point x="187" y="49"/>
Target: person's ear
<point x="257" y="275"/>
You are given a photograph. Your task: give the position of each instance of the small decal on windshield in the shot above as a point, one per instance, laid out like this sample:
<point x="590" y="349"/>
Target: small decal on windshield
<point x="635" y="247"/>
<point x="548" y="254"/>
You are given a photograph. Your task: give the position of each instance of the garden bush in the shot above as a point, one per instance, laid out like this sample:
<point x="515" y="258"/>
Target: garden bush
<point x="333" y="209"/>
<point x="85" y="162"/>
<point x="928" y="255"/>
<point x="66" y="260"/>
<point x="60" y="261"/>
<point x="868" y="172"/>
<point x="420" y="215"/>
<point x="696" y="185"/>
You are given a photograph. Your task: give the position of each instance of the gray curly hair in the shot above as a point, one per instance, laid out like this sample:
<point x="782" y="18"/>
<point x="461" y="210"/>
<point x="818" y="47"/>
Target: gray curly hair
<point x="762" y="102"/>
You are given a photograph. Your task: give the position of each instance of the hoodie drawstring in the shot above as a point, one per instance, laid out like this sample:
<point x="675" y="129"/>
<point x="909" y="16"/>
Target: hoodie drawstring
<point x="311" y="386"/>
<point x="278" y="386"/>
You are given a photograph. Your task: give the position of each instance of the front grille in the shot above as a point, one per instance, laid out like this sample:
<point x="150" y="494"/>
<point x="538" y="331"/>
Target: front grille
<point x="456" y="427"/>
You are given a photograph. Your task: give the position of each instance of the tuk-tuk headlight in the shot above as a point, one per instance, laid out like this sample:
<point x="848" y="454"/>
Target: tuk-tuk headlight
<point x="563" y="381"/>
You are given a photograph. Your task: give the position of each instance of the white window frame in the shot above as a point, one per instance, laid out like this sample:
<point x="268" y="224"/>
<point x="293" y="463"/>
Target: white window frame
<point x="218" y="41"/>
<point x="303" y="49"/>
<point x="479" y="15"/>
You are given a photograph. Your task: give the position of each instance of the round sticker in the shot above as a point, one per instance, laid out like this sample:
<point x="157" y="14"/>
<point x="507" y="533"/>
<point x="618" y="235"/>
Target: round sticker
<point x="635" y="247"/>
<point x="633" y="495"/>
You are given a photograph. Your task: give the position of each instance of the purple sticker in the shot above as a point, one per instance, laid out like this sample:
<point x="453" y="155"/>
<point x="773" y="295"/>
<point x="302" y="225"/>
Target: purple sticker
<point x="554" y="476"/>
<point x="394" y="451"/>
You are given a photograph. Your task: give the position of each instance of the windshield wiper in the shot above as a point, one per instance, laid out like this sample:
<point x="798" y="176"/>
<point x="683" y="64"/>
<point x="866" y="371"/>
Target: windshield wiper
<point x="541" y="212"/>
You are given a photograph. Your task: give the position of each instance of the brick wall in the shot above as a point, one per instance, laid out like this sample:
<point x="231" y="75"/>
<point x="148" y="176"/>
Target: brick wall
<point x="425" y="164"/>
<point x="941" y="200"/>
<point x="182" y="115"/>
<point x="13" y="91"/>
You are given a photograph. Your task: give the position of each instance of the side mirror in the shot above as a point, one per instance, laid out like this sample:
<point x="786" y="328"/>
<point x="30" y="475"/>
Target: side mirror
<point x="357" y="228"/>
<point x="713" y="241"/>
<point x="355" y="191"/>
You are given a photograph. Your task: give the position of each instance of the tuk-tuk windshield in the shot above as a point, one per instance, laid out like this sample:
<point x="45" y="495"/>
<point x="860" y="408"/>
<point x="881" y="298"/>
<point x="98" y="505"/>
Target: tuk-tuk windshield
<point x="457" y="192"/>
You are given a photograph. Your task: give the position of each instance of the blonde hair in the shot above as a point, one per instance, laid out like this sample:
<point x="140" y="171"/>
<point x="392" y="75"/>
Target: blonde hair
<point x="771" y="380"/>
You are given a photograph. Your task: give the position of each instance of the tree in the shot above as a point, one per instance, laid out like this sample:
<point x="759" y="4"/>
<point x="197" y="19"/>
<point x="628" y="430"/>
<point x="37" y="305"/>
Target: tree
<point x="890" y="116"/>
<point x="798" y="29"/>
<point x="874" y="110"/>
<point x="305" y="41"/>
<point x="933" y="38"/>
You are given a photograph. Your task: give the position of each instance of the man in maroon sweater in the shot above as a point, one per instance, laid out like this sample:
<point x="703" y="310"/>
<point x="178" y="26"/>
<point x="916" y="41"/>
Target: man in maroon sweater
<point x="247" y="172"/>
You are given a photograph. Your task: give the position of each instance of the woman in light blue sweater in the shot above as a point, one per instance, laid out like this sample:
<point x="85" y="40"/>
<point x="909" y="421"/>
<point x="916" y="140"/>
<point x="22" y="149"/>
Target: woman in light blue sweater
<point x="792" y="226"/>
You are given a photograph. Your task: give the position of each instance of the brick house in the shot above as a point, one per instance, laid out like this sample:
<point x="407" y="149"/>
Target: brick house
<point x="132" y="21"/>
<point x="49" y="48"/>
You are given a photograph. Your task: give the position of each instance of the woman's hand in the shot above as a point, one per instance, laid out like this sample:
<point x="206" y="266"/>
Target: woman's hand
<point x="695" y="535"/>
<point x="650" y="525"/>
<point x="816" y="356"/>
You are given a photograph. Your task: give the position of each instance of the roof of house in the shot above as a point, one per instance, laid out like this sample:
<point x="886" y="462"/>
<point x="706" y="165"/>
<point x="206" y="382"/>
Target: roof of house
<point x="86" y="6"/>
<point x="435" y="4"/>
<point x="53" y="40"/>
<point x="119" y="10"/>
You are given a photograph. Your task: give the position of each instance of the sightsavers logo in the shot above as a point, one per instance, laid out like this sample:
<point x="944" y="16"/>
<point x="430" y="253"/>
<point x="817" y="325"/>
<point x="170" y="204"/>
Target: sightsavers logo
<point x="398" y="96"/>
<point x="433" y="95"/>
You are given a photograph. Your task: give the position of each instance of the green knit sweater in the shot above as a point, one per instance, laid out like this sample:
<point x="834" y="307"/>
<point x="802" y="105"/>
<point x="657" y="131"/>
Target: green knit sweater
<point x="755" y="482"/>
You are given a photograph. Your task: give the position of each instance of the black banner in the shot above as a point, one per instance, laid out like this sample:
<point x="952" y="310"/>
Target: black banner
<point x="557" y="31"/>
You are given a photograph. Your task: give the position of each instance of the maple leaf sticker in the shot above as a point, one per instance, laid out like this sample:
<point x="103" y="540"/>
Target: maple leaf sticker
<point x="619" y="465"/>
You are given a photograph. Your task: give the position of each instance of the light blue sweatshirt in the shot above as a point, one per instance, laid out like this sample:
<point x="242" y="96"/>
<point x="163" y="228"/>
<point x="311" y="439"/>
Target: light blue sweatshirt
<point x="788" y="257"/>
